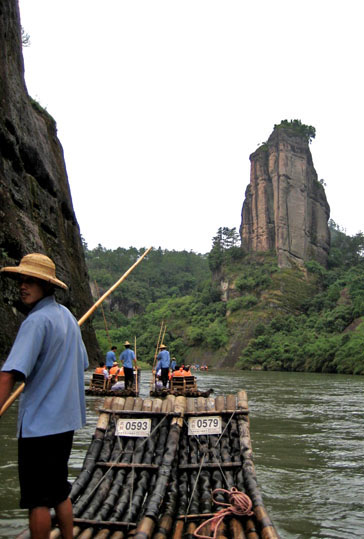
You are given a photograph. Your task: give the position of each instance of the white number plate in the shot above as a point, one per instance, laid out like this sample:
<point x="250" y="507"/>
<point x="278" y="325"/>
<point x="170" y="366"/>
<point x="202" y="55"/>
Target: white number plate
<point x="133" y="427"/>
<point x="198" y="426"/>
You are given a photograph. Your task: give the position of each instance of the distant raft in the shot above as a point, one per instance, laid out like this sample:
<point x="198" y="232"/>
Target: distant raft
<point x="172" y="468"/>
<point x="179" y="385"/>
<point x="102" y="387"/>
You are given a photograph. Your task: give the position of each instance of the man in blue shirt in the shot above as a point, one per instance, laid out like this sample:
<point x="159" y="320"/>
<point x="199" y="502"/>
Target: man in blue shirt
<point x="164" y="362"/>
<point x="127" y="357"/>
<point x="49" y="354"/>
<point x="110" y="358"/>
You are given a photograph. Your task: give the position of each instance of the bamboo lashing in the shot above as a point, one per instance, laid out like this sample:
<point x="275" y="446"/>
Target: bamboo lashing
<point x="17" y="392"/>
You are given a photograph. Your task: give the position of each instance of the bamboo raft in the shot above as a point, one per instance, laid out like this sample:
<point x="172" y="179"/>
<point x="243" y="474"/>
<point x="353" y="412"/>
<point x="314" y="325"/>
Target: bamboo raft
<point x="160" y="486"/>
<point x="188" y="392"/>
<point x="179" y="385"/>
<point x="99" y="387"/>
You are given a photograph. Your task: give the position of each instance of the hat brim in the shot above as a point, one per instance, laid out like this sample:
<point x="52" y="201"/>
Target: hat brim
<point x="15" y="273"/>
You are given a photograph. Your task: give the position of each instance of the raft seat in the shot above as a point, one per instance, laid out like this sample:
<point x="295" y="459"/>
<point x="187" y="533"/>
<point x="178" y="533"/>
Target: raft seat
<point x="181" y="383"/>
<point x="98" y="381"/>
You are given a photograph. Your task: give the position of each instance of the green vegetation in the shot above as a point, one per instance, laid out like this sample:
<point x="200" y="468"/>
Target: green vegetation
<point x="306" y="131"/>
<point x="237" y="308"/>
<point x="326" y="333"/>
<point x="172" y="286"/>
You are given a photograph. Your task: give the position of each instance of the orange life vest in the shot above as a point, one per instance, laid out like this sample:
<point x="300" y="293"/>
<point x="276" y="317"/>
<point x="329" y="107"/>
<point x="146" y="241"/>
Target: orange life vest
<point x="114" y="370"/>
<point x="99" y="370"/>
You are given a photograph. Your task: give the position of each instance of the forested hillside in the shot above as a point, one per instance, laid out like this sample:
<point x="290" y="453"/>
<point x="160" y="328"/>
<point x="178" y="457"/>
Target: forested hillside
<point x="233" y="309"/>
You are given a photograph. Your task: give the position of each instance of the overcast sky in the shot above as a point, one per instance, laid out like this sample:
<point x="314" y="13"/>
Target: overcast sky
<point x="159" y="104"/>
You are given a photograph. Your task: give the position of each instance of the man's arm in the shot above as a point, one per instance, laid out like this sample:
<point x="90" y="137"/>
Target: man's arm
<point x="7" y="382"/>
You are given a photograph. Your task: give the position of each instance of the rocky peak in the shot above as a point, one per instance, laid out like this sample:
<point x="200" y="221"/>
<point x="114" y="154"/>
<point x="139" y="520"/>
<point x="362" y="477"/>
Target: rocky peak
<point x="36" y="211"/>
<point x="285" y="207"/>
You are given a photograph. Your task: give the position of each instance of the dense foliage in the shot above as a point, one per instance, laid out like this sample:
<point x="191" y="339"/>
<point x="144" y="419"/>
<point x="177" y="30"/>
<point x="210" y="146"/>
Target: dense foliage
<point x="326" y="335"/>
<point x="282" y="319"/>
<point x="174" y="287"/>
<point x="306" y="131"/>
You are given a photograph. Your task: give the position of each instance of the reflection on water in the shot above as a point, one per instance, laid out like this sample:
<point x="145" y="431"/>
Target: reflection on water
<point x="307" y="435"/>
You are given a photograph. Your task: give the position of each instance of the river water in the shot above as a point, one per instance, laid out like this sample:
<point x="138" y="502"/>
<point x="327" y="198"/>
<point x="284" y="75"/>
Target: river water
<point x="308" y="443"/>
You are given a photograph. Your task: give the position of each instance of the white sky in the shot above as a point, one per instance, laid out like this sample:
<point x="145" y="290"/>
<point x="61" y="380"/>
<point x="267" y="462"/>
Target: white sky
<point x="159" y="104"/>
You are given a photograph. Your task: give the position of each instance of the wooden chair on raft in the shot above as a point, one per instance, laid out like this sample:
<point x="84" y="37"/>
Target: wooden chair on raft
<point x="98" y="381"/>
<point x="181" y="383"/>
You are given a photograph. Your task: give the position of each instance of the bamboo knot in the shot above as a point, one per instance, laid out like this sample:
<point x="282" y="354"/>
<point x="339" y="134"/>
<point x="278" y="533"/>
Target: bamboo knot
<point x="239" y="504"/>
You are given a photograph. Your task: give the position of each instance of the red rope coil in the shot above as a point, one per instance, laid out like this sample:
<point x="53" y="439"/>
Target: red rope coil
<point x="239" y="504"/>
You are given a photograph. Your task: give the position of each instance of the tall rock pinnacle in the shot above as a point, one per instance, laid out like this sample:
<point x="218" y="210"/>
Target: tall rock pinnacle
<point x="285" y="207"/>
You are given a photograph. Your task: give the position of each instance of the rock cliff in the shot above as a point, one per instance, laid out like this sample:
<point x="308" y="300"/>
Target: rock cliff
<point x="36" y="212"/>
<point x="285" y="207"/>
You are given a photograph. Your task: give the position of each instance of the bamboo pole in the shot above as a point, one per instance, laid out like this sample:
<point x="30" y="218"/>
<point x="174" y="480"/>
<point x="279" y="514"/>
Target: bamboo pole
<point x="136" y="368"/>
<point x="164" y="333"/>
<point x="159" y="342"/>
<point x="103" y="314"/>
<point x="104" y="296"/>
<point x="17" y="392"/>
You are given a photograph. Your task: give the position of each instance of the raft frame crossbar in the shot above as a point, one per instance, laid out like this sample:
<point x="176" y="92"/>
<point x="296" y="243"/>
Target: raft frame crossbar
<point x="141" y="466"/>
<point x="147" y="413"/>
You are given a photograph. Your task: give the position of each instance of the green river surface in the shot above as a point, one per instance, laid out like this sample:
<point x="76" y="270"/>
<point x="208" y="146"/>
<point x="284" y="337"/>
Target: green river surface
<point x="308" y="443"/>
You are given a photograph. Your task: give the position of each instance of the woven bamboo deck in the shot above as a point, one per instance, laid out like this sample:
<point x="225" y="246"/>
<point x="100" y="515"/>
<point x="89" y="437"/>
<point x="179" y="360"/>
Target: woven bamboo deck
<point x="161" y="485"/>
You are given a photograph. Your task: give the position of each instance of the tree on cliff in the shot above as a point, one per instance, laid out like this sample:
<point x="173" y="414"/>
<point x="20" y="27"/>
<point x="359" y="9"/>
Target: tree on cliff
<point x="306" y="131"/>
<point x="226" y="239"/>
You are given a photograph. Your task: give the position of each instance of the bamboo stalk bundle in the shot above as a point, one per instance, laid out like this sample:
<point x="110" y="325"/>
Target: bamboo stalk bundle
<point x="153" y="503"/>
<point x="91" y="455"/>
<point x="112" y="445"/>
<point x="183" y="481"/>
<point x="141" y="480"/>
<point x="166" y="521"/>
<point x="98" y="486"/>
<point x="204" y="480"/>
<point x="123" y="452"/>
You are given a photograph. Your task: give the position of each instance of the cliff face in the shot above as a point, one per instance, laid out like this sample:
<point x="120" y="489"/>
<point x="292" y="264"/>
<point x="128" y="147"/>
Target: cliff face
<point x="285" y="207"/>
<point x="36" y="212"/>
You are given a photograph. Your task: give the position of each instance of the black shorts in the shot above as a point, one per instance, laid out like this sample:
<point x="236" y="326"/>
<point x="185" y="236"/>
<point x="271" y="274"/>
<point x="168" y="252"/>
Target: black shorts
<point x="43" y="470"/>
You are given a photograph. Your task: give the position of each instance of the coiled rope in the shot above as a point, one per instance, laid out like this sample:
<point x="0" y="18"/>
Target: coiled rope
<point x="239" y="504"/>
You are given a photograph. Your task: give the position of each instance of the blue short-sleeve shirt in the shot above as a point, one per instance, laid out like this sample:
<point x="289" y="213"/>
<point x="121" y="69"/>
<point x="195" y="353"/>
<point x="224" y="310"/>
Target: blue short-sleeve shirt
<point x="164" y="359"/>
<point x="110" y="358"/>
<point x="49" y="351"/>
<point x="127" y="358"/>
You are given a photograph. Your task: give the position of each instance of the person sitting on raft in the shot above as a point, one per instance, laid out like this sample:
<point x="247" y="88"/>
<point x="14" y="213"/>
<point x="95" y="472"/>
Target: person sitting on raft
<point x="114" y="370"/>
<point x="101" y="369"/>
<point x="182" y="371"/>
<point x="179" y="371"/>
<point x="117" y="385"/>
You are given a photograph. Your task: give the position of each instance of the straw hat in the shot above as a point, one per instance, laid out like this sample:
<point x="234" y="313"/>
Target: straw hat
<point x="162" y="346"/>
<point x="126" y="343"/>
<point x="36" y="265"/>
<point x="115" y="364"/>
